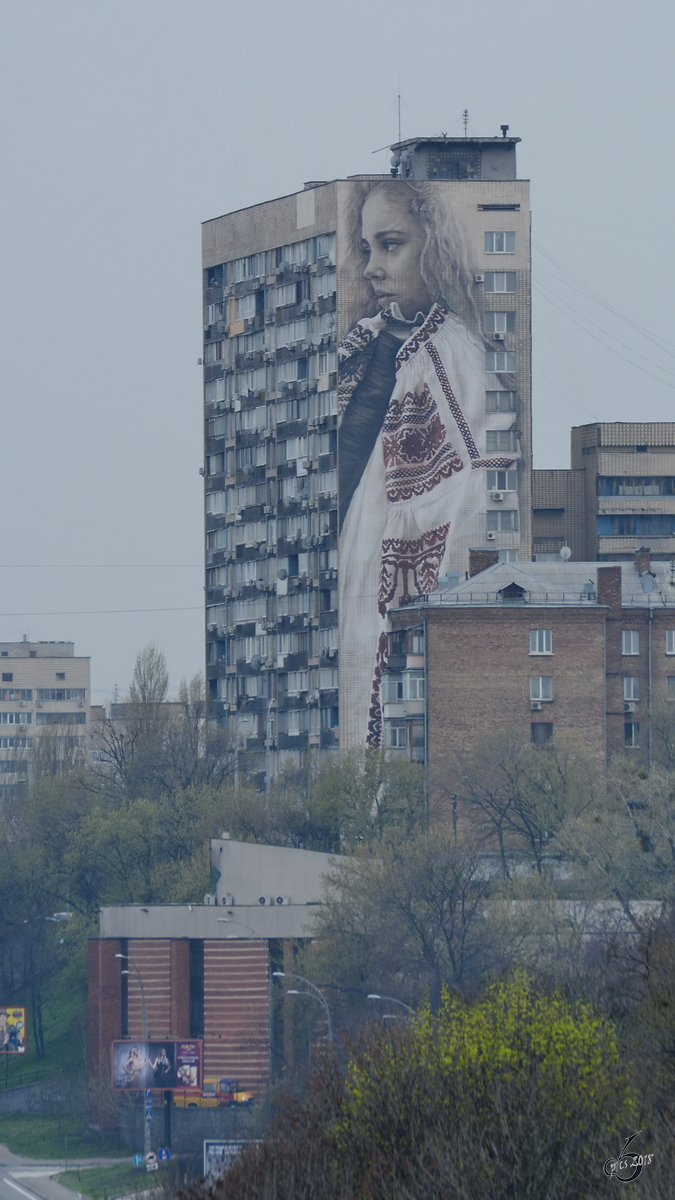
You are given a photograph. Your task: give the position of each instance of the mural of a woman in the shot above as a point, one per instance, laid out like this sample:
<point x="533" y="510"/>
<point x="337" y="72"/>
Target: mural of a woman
<point x="412" y="428"/>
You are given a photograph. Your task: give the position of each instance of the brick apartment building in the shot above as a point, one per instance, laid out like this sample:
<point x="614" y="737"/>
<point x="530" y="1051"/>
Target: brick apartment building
<point x="537" y="647"/>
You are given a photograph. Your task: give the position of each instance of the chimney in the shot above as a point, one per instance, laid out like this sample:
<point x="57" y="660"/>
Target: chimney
<point x="643" y="560"/>
<point x="480" y="560"/>
<point x="609" y="586"/>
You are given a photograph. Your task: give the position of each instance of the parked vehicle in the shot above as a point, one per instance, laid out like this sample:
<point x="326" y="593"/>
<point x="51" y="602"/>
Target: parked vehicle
<point x="216" y="1093"/>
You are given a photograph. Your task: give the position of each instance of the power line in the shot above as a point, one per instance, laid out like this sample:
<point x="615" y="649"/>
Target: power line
<point x="102" y="566"/>
<point x="101" y="612"/>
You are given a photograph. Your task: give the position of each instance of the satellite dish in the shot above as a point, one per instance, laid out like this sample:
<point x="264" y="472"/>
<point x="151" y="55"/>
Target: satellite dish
<point x="565" y="553"/>
<point x="282" y="573"/>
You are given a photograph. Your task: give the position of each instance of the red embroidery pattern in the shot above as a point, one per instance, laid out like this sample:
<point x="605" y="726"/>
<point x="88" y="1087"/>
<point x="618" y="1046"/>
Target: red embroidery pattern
<point x="352" y="363"/>
<point x="434" y="319"/>
<point x="456" y="411"/>
<point x="412" y="563"/>
<point x="374" y="735"/>
<point x="417" y="454"/>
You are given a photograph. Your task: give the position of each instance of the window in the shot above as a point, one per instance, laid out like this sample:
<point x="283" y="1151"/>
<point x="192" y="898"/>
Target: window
<point x="631" y="734"/>
<point x="327" y="483"/>
<point x="630" y="641"/>
<point x="670" y="687"/>
<point x="415" y="685"/>
<point x="215" y="503"/>
<point x="7" y="676"/>
<point x="215" y="464"/>
<point x="502" y="520"/>
<point x="296" y="682"/>
<point x="655" y="485"/>
<point x="16" y="718"/>
<point x="541" y="687"/>
<point x="285" y="294"/>
<point x="60" y="674"/>
<point x="500" y="243"/>
<point x="328" y="639"/>
<point x="398" y="735"/>
<point x="631" y="687"/>
<point x="330" y="718"/>
<point x="634" y="524"/>
<point x="541" y="641"/>
<point x="16" y="694"/>
<point x="325" y="247"/>
<point x="326" y="403"/>
<point x="61" y="718"/>
<point x="500" y="322"/>
<point x="253" y="266"/>
<point x="61" y="693"/>
<point x="248" y="456"/>
<point x="500" y="360"/>
<point x="323" y="364"/>
<point x="328" y="678"/>
<point x="326" y="284"/>
<point x="216" y="426"/>
<point x="670" y="642"/>
<point x="541" y="733"/>
<point x="500" y="439"/>
<point x="214" y="391"/>
<point x="500" y="281"/>
<point x="502" y="481"/>
<point x="291" y="331"/>
<point x="500" y="401"/>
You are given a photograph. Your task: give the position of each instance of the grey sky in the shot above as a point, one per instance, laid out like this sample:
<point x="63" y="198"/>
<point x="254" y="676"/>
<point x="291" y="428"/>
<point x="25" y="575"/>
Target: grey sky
<point x="125" y="123"/>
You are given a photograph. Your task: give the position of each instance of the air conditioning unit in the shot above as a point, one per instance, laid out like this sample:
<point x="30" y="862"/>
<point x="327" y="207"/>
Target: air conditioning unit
<point x="266" y="900"/>
<point x="268" y="510"/>
<point x="80" y="704"/>
<point x="22" y="703"/>
<point x="498" y="337"/>
<point x="39" y="704"/>
<point x="629" y="706"/>
<point x="491" y="536"/>
<point x="479" y="278"/>
<point x="497" y="495"/>
<point x="535" y="705"/>
<point x="281" y="900"/>
<point x="209" y="899"/>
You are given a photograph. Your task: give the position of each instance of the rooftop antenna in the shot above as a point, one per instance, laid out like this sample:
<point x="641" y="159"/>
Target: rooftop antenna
<point x="504" y="129"/>
<point x="399" y="110"/>
<point x="465" y="118"/>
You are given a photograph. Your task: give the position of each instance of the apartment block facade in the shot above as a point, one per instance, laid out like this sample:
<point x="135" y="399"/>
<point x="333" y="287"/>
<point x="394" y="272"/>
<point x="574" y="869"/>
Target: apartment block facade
<point x="618" y="494"/>
<point x="367" y="420"/>
<point x="44" y="698"/>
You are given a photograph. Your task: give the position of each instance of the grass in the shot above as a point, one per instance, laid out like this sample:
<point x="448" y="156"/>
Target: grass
<point x="55" y="1138"/>
<point x="102" y="1182"/>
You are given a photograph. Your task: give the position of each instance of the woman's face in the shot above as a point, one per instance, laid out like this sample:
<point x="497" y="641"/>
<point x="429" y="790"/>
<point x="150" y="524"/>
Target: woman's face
<point x="392" y="240"/>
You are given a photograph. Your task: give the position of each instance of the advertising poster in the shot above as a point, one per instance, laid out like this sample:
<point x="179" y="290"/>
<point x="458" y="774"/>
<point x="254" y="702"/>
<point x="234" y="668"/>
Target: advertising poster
<point x="429" y="408"/>
<point x="165" y="1065"/>
<point x="13" y="1030"/>
<point x="219" y="1156"/>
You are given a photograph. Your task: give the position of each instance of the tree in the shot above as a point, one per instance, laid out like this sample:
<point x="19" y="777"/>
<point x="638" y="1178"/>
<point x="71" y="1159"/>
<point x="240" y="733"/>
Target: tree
<point x="407" y="916"/>
<point x="517" y="1093"/>
<point x="516" y="796"/>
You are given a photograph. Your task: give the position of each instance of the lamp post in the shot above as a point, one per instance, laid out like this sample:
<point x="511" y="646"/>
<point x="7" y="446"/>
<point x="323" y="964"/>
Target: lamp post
<point x="315" y="993"/>
<point x="390" y="1000"/>
<point x="144" y="1013"/>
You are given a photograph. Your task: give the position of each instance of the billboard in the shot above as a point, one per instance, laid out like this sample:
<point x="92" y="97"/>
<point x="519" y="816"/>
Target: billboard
<point x="166" y="1065"/>
<point x="433" y="406"/>
<point x="13" y="1030"/>
<point x="219" y="1156"/>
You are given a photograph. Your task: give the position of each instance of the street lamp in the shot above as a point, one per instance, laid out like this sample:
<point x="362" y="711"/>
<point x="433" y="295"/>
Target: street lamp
<point x="392" y="1000"/>
<point x="144" y="1012"/>
<point x="315" y="993"/>
<point x="234" y="921"/>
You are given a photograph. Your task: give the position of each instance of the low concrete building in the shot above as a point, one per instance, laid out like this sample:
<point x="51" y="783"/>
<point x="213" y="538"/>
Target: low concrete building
<point x="206" y="969"/>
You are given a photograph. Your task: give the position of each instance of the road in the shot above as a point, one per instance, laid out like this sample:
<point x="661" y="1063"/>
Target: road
<point x="30" y="1178"/>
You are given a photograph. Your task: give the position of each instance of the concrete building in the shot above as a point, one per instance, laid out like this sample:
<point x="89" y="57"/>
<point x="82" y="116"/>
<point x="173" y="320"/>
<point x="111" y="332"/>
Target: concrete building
<point x="206" y="969"/>
<point x="45" y="698"/>
<point x="618" y="494"/>
<point x="540" y="648"/>
<point x="281" y="287"/>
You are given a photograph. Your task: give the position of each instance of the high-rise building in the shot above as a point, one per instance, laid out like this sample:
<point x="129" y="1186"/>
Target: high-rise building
<point x="367" y="422"/>
<point x="44" y="702"/>
<point x="618" y="495"/>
